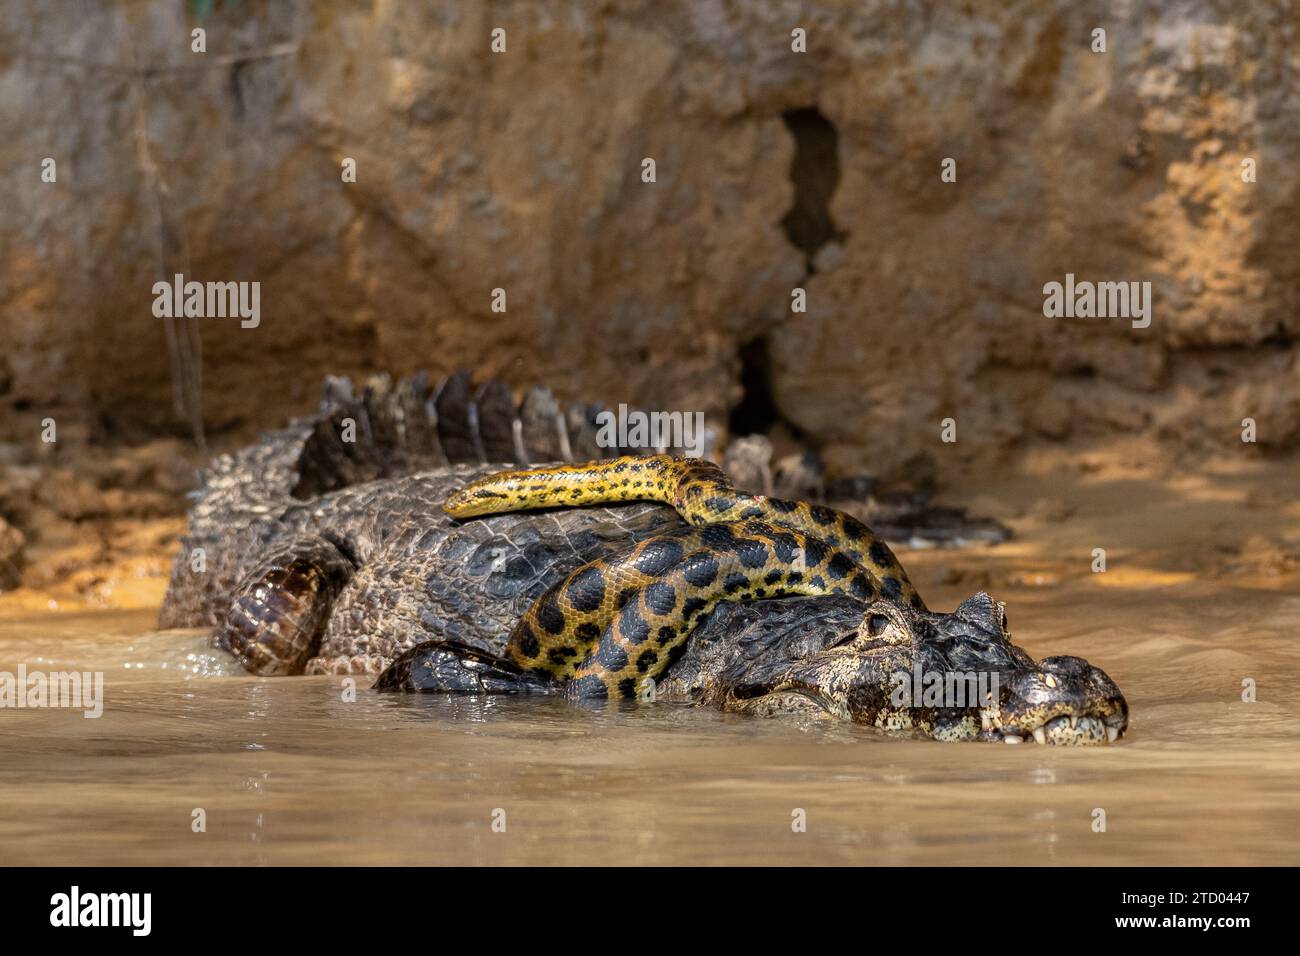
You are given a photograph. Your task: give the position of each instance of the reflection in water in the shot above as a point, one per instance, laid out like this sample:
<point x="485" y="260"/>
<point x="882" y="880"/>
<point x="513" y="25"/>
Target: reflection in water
<point x="292" y="770"/>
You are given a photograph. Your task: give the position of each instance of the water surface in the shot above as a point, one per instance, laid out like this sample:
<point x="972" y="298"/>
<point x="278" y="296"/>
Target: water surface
<point x="287" y="770"/>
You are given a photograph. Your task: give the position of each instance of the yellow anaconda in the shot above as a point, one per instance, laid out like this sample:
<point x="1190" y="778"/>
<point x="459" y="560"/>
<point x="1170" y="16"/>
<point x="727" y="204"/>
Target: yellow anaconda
<point x="617" y="621"/>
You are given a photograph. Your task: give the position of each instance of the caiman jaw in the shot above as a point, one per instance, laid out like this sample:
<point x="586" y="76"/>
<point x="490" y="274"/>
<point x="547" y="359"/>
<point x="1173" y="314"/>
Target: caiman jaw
<point x="1062" y="700"/>
<point x="1071" y="730"/>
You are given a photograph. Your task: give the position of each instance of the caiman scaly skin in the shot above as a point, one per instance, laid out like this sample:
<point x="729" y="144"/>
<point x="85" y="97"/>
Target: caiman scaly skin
<point x="309" y="552"/>
<point x="699" y="492"/>
<point x="615" y="623"/>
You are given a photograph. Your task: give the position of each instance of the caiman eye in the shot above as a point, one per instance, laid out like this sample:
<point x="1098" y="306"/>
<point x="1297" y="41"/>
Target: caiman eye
<point x="876" y="625"/>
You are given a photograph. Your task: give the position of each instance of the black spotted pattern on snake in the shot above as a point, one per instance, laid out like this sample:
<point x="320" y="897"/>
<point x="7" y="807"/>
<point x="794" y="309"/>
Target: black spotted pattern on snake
<point x="615" y="622"/>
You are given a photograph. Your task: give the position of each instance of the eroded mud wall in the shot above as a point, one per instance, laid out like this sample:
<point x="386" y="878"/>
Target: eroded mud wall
<point x="775" y="169"/>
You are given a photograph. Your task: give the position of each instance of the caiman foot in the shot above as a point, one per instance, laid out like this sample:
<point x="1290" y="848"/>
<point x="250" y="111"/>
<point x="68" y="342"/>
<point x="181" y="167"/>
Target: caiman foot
<point x="450" y="668"/>
<point x="278" y="614"/>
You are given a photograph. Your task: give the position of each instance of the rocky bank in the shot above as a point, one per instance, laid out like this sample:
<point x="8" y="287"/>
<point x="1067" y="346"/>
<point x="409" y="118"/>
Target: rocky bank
<point x="775" y="170"/>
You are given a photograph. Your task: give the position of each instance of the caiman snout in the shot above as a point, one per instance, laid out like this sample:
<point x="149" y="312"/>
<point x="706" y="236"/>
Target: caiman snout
<point x="1061" y="700"/>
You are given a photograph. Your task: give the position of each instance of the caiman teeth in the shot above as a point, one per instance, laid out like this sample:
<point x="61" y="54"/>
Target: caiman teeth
<point x="1112" y="733"/>
<point x="986" y="721"/>
<point x="1040" y="735"/>
<point x="1011" y="739"/>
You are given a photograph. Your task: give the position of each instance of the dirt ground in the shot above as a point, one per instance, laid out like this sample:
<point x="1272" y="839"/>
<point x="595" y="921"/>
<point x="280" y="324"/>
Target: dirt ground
<point x="100" y="531"/>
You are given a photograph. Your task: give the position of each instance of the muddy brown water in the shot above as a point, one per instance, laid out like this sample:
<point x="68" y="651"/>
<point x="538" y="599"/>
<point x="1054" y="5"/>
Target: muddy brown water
<point x="288" y="771"/>
<point x="291" y="770"/>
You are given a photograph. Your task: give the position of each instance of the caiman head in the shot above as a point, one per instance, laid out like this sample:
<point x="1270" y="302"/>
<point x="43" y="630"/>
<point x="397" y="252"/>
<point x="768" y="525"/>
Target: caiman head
<point x="951" y="676"/>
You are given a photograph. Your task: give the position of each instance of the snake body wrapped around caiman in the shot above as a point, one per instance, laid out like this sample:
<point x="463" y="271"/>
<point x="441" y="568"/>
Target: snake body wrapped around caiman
<point x="614" y="623"/>
<point x="315" y="552"/>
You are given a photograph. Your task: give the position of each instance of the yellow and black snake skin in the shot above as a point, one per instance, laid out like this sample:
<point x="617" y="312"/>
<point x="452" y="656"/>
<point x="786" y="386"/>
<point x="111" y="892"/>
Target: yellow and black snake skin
<point x="614" y="623"/>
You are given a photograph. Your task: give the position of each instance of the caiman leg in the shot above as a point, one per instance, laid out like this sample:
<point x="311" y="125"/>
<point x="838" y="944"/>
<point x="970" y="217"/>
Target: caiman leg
<point x="699" y="491"/>
<point x="279" y="611"/>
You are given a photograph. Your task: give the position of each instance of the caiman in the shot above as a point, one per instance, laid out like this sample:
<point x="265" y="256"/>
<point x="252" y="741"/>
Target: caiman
<point x="375" y="538"/>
